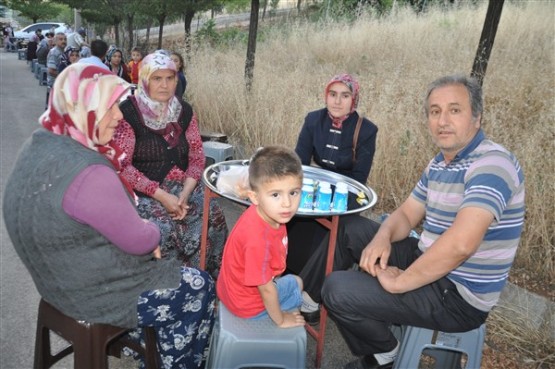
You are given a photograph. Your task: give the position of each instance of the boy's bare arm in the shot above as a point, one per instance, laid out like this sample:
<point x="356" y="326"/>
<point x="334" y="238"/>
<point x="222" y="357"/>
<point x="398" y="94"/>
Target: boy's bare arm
<point x="283" y="319"/>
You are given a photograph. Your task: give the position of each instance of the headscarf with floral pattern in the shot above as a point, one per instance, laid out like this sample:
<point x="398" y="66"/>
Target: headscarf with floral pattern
<point x="353" y="86"/>
<point x="80" y="97"/>
<point x="157" y="115"/>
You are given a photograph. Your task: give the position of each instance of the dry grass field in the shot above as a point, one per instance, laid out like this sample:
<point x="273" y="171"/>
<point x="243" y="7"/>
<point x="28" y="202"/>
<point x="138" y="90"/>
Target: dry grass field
<point x="394" y="58"/>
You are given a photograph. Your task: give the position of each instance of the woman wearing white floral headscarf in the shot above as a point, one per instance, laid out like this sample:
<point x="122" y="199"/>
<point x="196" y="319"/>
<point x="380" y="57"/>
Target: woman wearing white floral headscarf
<point x="164" y="163"/>
<point x="73" y="222"/>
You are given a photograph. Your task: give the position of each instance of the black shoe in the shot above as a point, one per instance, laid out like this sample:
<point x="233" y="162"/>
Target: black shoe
<point x="312" y="318"/>
<point x="367" y="362"/>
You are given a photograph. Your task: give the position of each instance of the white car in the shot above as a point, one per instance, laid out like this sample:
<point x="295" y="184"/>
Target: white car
<point x="26" y="32"/>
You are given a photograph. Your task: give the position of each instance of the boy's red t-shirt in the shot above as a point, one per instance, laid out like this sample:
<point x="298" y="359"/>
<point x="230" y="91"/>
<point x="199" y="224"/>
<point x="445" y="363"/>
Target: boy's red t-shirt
<point x="254" y="254"/>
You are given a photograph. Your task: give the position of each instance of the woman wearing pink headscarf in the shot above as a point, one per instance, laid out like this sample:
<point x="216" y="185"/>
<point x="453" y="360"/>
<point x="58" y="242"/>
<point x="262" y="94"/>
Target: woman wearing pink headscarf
<point x="164" y="163"/>
<point x="73" y="222"/>
<point x="327" y="139"/>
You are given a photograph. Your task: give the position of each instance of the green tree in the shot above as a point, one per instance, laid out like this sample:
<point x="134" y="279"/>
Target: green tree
<point x="102" y="13"/>
<point x="188" y="10"/>
<point x="35" y="9"/>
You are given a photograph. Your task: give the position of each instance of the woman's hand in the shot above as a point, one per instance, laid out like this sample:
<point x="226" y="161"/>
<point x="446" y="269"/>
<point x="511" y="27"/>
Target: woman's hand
<point x="157" y="253"/>
<point x="183" y="202"/>
<point x="170" y="203"/>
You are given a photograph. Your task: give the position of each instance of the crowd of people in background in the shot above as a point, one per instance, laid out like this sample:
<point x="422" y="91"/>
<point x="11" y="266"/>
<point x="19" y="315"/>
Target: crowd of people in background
<point x="58" y="51"/>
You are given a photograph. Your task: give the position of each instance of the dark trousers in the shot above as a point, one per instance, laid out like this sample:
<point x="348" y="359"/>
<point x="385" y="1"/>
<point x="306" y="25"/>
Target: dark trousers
<point x="304" y="236"/>
<point x="363" y="310"/>
<point x="354" y="233"/>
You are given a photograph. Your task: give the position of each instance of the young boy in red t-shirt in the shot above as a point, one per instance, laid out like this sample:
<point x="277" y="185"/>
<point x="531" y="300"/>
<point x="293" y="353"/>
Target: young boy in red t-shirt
<point x="135" y="64"/>
<point x="250" y="283"/>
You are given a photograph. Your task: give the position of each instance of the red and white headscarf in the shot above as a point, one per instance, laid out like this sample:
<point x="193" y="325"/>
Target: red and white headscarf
<point x="353" y="86"/>
<point x="80" y="97"/>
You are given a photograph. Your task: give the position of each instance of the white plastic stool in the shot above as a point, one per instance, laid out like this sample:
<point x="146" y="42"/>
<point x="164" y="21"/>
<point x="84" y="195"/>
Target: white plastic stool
<point x="216" y="152"/>
<point x="449" y="347"/>
<point x="238" y="343"/>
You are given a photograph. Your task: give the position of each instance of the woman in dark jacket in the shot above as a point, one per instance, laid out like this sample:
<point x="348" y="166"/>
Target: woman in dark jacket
<point x="338" y="139"/>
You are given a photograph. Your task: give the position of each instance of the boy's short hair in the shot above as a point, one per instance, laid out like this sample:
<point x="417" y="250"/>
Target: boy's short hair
<point x="138" y="49"/>
<point x="273" y="162"/>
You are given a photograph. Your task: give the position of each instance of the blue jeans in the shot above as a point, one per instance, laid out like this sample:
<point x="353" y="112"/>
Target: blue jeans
<point x="289" y="294"/>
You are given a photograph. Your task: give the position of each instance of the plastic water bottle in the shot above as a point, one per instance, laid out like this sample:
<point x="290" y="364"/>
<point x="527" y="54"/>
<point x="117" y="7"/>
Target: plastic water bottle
<point x="307" y="197"/>
<point x="340" y="197"/>
<point x="317" y="185"/>
<point x="323" y="202"/>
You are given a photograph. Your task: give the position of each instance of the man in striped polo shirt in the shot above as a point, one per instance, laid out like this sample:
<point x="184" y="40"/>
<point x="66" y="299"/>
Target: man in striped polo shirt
<point x="470" y="199"/>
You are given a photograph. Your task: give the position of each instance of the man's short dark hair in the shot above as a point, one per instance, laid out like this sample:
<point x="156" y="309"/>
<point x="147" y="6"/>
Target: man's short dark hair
<point x="99" y="48"/>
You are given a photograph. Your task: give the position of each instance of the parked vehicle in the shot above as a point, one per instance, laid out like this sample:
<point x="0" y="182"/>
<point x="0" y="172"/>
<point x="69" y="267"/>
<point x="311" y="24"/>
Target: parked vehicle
<point x="26" y="32"/>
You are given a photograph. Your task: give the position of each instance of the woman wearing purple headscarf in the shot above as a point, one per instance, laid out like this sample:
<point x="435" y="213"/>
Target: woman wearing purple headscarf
<point x="328" y="139"/>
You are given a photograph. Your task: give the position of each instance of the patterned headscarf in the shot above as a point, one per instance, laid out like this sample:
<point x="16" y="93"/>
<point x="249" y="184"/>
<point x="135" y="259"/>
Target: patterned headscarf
<point x="353" y="86"/>
<point x="109" y="55"/>
<point x="159" y="117"/>
<point x="111" y="52"/>
<point x="67" y="53"/>
<point x="79" y="99"/>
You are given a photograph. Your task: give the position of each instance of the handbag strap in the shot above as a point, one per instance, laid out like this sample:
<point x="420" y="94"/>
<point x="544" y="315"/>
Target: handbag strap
<point x="355" y="137"/>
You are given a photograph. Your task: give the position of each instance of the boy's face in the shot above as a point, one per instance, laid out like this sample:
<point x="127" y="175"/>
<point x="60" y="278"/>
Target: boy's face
<point x="136" y="56"/>
<point x="277" y="200"/>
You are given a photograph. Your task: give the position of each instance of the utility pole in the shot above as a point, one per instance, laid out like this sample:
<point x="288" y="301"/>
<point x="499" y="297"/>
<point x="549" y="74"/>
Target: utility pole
<point x="76" y="19"/>
<point x="485" y="45"/>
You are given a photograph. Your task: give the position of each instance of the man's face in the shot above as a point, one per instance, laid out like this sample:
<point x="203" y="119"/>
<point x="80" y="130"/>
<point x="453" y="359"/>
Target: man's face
<point x="61" y="41"/>
<point x="450" y="119"/>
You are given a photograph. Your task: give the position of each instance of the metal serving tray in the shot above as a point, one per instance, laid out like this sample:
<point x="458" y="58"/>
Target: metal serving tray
<point x="211" y="174"/>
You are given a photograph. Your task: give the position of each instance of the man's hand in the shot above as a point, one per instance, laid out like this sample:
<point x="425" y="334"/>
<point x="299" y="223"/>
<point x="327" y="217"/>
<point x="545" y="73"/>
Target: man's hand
<point x="388" y="278"/>
<point x="379" y="248"/>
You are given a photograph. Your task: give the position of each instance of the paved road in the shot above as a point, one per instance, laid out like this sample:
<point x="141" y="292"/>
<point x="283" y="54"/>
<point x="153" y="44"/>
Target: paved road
<point x="21" y="103"/>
